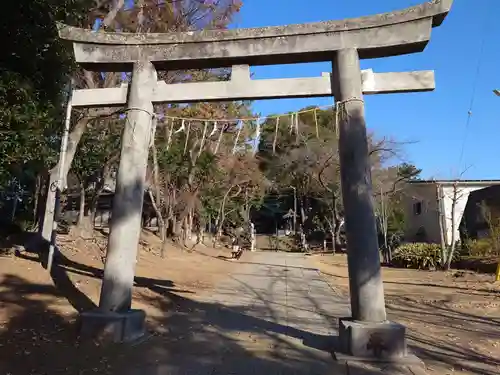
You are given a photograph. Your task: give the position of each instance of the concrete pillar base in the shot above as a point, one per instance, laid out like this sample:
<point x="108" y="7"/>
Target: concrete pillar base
<point x="365" y="341"/>
<point x="114" y="327"/>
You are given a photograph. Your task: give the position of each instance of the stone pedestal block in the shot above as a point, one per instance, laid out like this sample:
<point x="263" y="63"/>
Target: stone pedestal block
<point x="116" y="327"/>
<point x="377" y="341"/>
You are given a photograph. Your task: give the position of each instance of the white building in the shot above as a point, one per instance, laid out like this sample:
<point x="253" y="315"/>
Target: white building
<point x="429" y="203"/>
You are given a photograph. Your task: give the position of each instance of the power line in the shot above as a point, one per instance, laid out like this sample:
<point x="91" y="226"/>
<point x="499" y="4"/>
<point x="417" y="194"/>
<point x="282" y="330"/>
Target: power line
<point x="476" y="79"/>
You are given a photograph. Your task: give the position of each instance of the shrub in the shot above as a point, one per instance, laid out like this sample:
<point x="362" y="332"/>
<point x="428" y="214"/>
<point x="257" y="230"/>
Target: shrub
<point x="418" y="255"/>
<point x="484" y="247"/>
<point x="276" y="243"/>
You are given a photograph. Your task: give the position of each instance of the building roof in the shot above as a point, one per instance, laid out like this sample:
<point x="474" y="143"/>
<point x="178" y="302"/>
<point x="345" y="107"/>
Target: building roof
<point x="458" y="181"/>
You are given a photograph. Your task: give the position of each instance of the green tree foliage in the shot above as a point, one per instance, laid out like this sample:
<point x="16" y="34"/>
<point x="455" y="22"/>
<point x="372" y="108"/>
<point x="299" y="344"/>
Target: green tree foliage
<point x="33" y="74"/>
<point x="199" y="178"/>
<point x="307" y="161"/>
<point x="196" y="176"/>
<point x="34" y="80"/>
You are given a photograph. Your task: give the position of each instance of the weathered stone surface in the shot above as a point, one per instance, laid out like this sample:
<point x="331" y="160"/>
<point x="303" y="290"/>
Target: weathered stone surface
<point x="112" y="326"/>
<point x="365" y="278"/>
<point x="125" y="228"/>
<point x="242" y="87"/>
<point x="437" y="10"/>
<point x="400" y="82"/>
<point x="379" y="341"/>
<point x="387" y="34"/>
<point x="364" y="368"/>
<point x="384" y="41"/>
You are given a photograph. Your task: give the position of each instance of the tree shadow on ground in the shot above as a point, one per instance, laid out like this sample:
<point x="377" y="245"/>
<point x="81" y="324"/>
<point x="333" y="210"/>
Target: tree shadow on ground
<point x="479" y="292"/>
<point x="450" y="322"/>
<point x="60" y="277"/>
<point x="190" y="338"/>
<point x="457" y="329"/>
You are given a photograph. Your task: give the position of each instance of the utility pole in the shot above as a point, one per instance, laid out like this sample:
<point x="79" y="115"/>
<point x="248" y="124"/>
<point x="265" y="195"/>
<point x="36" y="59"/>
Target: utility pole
<point x="497" y="273"/>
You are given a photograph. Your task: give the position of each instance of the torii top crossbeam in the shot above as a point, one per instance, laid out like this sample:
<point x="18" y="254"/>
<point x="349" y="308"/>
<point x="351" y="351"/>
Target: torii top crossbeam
<point x="386" y="34"/>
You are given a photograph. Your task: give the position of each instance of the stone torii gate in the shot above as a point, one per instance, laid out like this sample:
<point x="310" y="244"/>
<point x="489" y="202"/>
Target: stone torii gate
<point x="366" y="333"/>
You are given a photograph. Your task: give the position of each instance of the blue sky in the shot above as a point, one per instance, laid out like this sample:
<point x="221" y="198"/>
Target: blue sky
<point x="435" y="121"/>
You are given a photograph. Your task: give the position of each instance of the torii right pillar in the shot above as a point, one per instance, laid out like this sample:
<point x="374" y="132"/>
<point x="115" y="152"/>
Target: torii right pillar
<point x="367" y="333"/>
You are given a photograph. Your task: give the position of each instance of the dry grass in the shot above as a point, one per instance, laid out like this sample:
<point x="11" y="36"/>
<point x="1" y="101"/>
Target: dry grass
<point x="453" y="318"/>
<point x="38" y="313"/>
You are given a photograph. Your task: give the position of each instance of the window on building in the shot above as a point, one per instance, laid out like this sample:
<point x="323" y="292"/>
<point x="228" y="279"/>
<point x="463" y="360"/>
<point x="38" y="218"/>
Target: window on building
<point x="417" y="208"/>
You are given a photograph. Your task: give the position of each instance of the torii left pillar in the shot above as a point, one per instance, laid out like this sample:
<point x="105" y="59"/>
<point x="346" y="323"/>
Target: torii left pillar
<point x="114" y="315"/>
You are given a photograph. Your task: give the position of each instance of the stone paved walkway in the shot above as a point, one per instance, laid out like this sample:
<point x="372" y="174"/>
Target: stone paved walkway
<point x="276" y="315"/>
<point x="284" y="289"/>
<point x="291" y="311"/>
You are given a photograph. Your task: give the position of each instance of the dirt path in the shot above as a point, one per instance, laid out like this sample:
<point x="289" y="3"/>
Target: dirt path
<point x="268" y="313"/>
<point x="274" y="314"/>
<point x="38" y="313"/>
<point x="453" y="318"/>
<point x="271" y="316"/>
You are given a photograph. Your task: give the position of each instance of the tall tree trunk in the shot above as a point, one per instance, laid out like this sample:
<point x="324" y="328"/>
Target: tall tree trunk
<point x="217" y="233"/>
<point x="168" y="217"/>
<point x="303" y="239"/>
<point x="81" y="211"/>
<point x="384" y="226"/>
<point x="160" y="222"/>
<point x="451" y="252"/>
<point x="164" y="244"/>
<point x="85" y="223"/>
<point x="189" y="228"/>
<point x="36" y="203"/>
<point x="219" y="222"/>
<point x="303" y="219"/>
<point x="156" y="199"/>
<point x="184" y="225"/>
<point x="334" y="241"/>
<point x="200" y="232"/>
<point x="253" y="237"/>
<point x="177" y="229"/>
<point x="337" y="222"/>
<point x="303" y="215"/>
<point x="94" y="202"/>
<point x="441" y="222"/>
<point x="93" y="211"/>
<point x="111" y="16"/>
